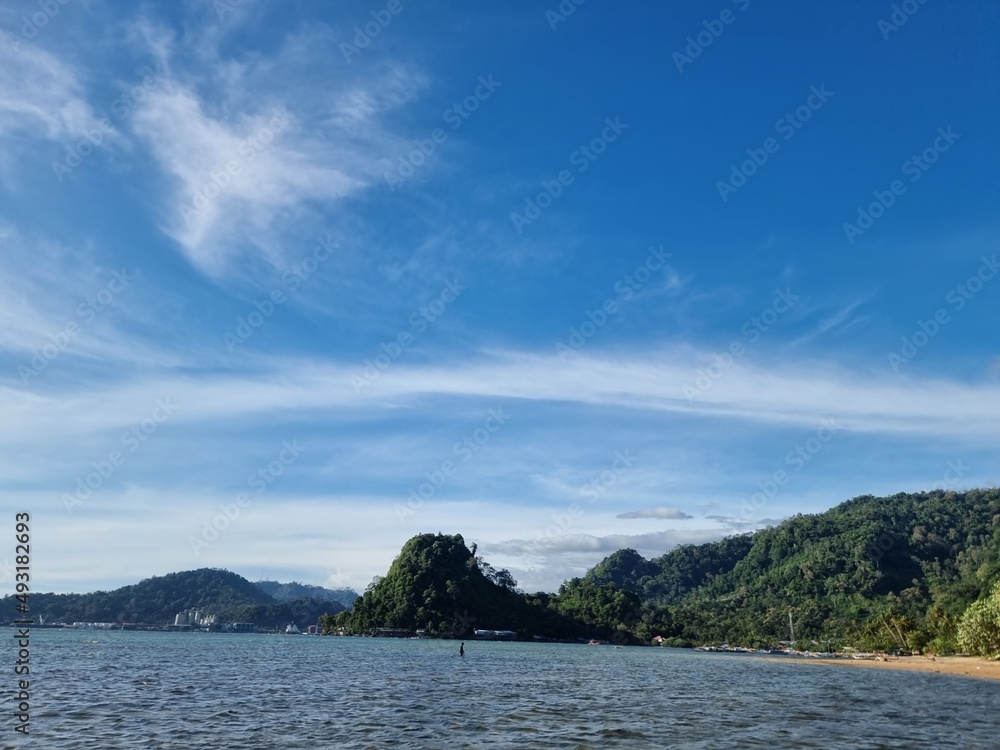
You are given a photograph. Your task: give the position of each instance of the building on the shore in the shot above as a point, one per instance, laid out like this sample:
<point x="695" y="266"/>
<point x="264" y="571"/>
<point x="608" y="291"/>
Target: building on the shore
<point x="194" y="618"/>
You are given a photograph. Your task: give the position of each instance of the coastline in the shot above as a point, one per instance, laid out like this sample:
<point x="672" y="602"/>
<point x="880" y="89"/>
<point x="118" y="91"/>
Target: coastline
<point x="957" y="666"/>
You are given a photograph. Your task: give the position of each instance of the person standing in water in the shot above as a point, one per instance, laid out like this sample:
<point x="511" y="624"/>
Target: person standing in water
<point x="461" y="649"/>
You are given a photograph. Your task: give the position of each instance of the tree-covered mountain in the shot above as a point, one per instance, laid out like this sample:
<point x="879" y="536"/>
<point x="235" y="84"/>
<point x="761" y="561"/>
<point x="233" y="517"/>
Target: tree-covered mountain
<point x="911" y="571"/>
<point x="155" y="601"/>
<point x="896" y="572"/>
<point x="302" y="612"/>
<point x="438" y="585"/>
<point x="286" y="592"/>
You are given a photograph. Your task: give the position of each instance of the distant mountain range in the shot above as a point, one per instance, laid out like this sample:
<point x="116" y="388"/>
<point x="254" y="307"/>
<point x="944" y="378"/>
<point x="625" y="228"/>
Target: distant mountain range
<point x="900" y="572"/>
<point x="439" y="587"/>
<point x="911" y="571"/>
<point x="876" y="572"/>
<point x="285" y="592"/>
<point x="155" y="601"/>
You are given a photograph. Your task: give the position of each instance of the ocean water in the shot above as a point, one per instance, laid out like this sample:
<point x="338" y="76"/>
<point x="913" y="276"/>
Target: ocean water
<point x="133" y="690"/>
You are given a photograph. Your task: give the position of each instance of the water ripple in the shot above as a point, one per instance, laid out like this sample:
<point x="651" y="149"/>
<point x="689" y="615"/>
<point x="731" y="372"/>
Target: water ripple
<point x="129" y="690"/>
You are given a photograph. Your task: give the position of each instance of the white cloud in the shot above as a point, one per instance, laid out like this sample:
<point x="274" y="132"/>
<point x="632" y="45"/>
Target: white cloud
<point x="61" y="306"/>
<point x="234" y="181"/>
<point x="251" y="151"/>
<point x="63" y="433"/>
<point x="41" y="98"/>
<point x="842" y="319"/>
<point x="660" y="512"/>
<point x="793" y="396"/>
<point x="741" y="525"/>
<point x="543" y="564"/>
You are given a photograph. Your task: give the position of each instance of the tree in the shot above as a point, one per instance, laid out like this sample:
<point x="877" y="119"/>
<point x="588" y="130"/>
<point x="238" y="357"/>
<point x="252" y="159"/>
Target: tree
<point x="979" y="629"/>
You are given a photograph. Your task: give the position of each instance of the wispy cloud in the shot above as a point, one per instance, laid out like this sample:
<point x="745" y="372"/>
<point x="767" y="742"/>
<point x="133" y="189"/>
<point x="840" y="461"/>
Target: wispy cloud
<point x="843" y="319"/>
<point x="68" y="317"/>
<point x="545" y="563"/>
<point x="741" y="525"/>
<point x="795" y="396"/>
<point x="661" y="512"/>
<point x="42" y="98"/>
<point x="245" y="173"/>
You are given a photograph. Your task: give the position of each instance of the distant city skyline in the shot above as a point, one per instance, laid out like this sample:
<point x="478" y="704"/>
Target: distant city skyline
<point x="285" y="285"/>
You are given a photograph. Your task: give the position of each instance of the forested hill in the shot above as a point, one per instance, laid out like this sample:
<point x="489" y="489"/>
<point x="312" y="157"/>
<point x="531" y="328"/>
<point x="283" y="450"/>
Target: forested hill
<point x="285" y="592"/>
<point x="883" y="572"/>
<point x="439" y="586"/>
<point x="155" y="601"/>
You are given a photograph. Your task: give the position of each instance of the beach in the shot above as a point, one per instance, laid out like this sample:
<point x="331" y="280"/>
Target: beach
<point x="960" y="666"/>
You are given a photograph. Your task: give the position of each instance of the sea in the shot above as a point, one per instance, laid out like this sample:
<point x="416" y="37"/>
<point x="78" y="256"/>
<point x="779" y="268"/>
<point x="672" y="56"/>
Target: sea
<point x="134" y="690"/>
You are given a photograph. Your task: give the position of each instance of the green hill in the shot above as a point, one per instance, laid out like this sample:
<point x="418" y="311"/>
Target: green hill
<point x="877" y="573"/>
<point x="896" y="572"/>
<point x="155" y="601"/>
<point x="438" y="585"/>
<point x="911" y="571"/>
<point x="285" y="592"/>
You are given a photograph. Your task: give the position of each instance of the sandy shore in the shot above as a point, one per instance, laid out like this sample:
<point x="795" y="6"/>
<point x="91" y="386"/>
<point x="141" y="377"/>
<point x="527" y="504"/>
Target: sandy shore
<point x="961" y="666"/>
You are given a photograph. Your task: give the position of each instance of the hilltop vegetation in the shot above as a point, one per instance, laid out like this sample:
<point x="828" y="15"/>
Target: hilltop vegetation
<point x="911" y="571"/>
<point x="885" y="573"/>
<point x="287" y="592"/>
<point x="155" y="601"/>
<point x="908" y="572"/>
<point x="438" y="585"/>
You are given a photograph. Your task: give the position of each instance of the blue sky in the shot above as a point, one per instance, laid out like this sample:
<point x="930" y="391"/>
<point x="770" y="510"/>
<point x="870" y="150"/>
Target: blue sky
<point x="284" y="285"/>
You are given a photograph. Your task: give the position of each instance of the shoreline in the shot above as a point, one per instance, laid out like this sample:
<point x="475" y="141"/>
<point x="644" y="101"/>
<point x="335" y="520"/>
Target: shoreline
<point x="956" y="666"/>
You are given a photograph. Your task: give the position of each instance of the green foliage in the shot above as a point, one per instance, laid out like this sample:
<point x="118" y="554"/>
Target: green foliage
<point x="625" y="569"/>
<point x="877" y="573"/>
<point x="904" y="572"/>
<point x="979" y="629"/>
<point x="437" y="584"/>
<point x="155" y="601"/>
<point x="302" y="612"/>
<point x="882" y="573"/>
<point x="287" y="592"/>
